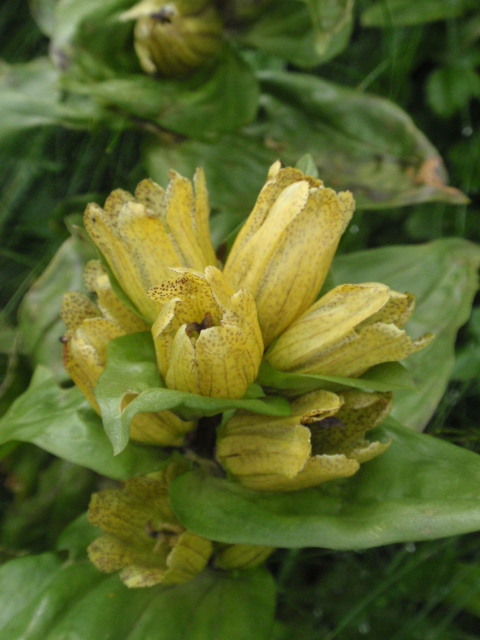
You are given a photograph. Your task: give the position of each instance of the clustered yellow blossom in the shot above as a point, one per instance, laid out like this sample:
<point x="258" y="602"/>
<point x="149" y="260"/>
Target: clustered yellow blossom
<point x="212" y="328"/>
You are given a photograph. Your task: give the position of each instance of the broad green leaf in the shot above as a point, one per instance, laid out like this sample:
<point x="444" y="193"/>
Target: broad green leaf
<point x="131" y="368"/>
<point x="443" y="277"/>
<point x="305" y="33"/>
<point x="23" y="579"/>
<point x="59" y="421"/>
<point x="30" y="97"/>
<point x="390" y="376"/>
<point x="76" y="599"/>
<point x="219" y="97"/>
<point x="421" y="488"/>
<point x="359" y="141"/>
<point x="39" y="316"/>
<point x="386" y="13"/>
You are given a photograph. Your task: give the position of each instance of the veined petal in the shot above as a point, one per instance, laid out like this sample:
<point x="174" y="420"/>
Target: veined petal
<point x="365" y="348"/>
<point x="284" y="252"/>
<point x="142" y="237"/>
<point x="206" y="337"/>
<point x="328" y="321"/>
<point x="347" y="331"/>
<point x="162" y="429"/>
<point x="85" y="352"/>
<point x="242" y="556"/>
<point x="96" y="280"/>
<point x="143" y="538"/>
<point x="322" y="441"/>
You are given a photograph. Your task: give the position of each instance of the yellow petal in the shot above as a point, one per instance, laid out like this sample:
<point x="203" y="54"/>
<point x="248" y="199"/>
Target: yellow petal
<point x="163" y="429"/>
<point x="76" y="308"/>
<point x="319" y="469"/>
<point x="206" y="337"/>
<point x="242" y="556"/>
<point x="188" y="558"/>
<point x="371" y="345"/>
<point x="85" y="352"/>
<point x="359" y="413"/>
<point x="347" y="331"/>
<point x="96" y="280"/>
<point x="142" y="237"/>
<point x="284" y="252"/>
<point x="261" y="449"/>
<point x="332" y="318"/>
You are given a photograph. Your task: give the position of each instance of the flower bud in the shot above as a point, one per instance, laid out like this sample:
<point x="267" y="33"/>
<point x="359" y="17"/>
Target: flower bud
<point x="283" y="252"/>
<point x="144" y="540"/>
<point x="85" y="354"/>
<point x="173" y="38"/>
<point x="207" y="337"/>
<point x="347" y="331"/>
<point x="141" y="237"/>
<point x="323" y="440"/>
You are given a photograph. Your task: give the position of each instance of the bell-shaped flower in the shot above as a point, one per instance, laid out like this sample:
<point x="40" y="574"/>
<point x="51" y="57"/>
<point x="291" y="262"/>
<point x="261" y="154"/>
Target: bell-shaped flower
<point x="283" y="252"/>
<point x="85" y="355"/>
<point x="323" y="440"/>
<point x="347" y="331"/>
<point x="173" y="38"/>
<point x="143" y="539"/>
<point x="142" y="236"/>
<point x="206" y="336"/>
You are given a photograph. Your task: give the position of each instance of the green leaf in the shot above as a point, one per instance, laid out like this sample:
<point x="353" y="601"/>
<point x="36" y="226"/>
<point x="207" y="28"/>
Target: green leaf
<point x="218" y="98"/>
<point x="30" y="97"/>
<point x="39" y="316"/>
<point x="390" y="376"/>
<point x="422" y="488"/>
<point x="59" y="421"/>
<point x="359" y="141"/>
<point x="131" y="368"/>
<point x="443" y="277"/>
<point x="389" y="13"/>
<point x="305" y="33"/>
<point x="47" y="601"/>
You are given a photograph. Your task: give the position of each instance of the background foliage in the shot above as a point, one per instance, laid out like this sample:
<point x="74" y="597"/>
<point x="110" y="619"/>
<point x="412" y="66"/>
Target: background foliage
<point x="376" y="91"/>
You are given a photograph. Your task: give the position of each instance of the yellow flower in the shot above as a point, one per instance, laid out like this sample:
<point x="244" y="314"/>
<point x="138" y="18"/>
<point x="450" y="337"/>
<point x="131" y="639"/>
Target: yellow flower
<point x="144" y="540"/>
<point x="349" y="330"/>
<point x="207" y="337"/>
<point x="85" y="354"/>
<point x="174" y="38"/>
<point x="323" y="440"/>
<point x="141" y="237"/>
<point x="283" y="252"/>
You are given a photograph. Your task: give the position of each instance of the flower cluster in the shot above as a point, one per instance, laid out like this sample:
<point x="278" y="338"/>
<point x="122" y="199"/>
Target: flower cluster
<point x="212" y="327"/>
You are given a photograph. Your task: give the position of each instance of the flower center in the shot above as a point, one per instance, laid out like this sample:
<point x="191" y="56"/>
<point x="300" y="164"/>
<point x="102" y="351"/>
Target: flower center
<point x="193" y="329"/>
